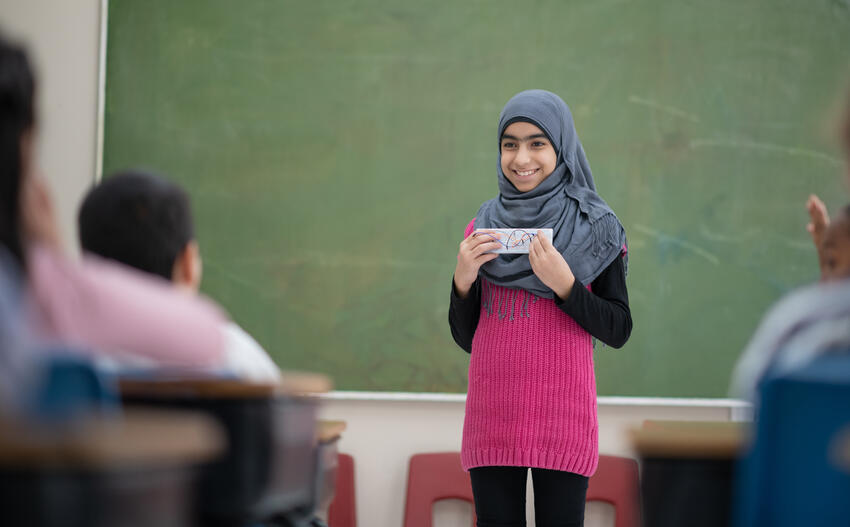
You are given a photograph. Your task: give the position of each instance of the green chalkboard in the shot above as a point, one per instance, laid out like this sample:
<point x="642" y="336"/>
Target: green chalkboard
<point x="335" y="151"/>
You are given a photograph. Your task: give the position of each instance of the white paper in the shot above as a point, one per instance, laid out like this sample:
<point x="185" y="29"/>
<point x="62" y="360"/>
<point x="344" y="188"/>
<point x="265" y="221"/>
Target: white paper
<point x="515" y="240"/>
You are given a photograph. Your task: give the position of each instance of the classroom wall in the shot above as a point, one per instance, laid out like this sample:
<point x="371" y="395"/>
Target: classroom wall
<point x="382" y="434"/>
<point x="62" y="38"/>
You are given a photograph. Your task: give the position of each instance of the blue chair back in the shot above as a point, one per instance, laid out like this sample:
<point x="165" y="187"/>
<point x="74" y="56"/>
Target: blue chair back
<point x="71" y="386"/>
<point x="791" y="475"/>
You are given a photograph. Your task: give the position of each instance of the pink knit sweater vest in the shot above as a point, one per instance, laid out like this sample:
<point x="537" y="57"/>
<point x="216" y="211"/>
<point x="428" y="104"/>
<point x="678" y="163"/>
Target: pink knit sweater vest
<point x="532" y="393"/>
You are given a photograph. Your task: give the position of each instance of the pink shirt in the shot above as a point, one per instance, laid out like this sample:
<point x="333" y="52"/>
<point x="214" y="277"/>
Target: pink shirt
<point x="112" y="309"/>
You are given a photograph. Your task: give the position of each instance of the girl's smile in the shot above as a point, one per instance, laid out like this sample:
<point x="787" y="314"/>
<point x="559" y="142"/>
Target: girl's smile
<point x="526" y="173"/>
<point x="528" y="156"/>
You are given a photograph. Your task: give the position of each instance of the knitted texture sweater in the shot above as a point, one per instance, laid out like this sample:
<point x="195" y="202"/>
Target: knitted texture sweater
<point x="532" y="392"/>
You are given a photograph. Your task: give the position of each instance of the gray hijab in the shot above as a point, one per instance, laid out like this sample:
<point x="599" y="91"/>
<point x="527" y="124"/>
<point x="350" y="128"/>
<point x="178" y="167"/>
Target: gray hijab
<point x="585" y="229"/>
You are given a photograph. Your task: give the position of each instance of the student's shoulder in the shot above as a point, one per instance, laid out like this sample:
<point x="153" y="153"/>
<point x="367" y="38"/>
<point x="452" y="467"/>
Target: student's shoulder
<point x="238" y="338"/>
<point x="245" y="357"/>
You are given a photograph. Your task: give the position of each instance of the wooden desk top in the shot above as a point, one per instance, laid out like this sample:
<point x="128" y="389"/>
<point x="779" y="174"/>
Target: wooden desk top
<point x="691" y="439"/>
<point x="303" y="383"/>
<point x="291" y="384"/>
<point x="328" y="431"/>
<point x="132" y="439"/>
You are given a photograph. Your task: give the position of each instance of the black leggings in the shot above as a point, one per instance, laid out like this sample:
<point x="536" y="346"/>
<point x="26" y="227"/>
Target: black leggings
<point x="500" y="497"/>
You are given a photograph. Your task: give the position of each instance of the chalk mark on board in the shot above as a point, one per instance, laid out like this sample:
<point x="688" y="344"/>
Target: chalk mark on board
<point x="804" y="245"/>
<point x="725" y="238"/>
<point x="347" y="260"/>
<point x="766" y="147"/>
<point x="672" y="240"/>
<point x="262" y="292"/>
<point x="265" y="292"/>
<point x="799" y="245"/>
<point x="672" y="110"/>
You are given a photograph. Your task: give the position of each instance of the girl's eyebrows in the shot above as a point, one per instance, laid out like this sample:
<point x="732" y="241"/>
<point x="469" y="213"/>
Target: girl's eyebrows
<point x="527" y="138"/>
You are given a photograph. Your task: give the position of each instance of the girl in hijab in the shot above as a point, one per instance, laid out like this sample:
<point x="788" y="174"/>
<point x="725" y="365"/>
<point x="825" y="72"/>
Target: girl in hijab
<point x="529" y="322"/>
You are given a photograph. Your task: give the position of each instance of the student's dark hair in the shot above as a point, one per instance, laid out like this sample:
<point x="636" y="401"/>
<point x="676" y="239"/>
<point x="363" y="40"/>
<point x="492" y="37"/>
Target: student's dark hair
<point x="139" y="219"/>
<point x="17" y="117"/>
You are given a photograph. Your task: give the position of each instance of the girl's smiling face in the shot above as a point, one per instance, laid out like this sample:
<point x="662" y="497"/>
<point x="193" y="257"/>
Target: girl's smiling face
<point x="528" y="156"/>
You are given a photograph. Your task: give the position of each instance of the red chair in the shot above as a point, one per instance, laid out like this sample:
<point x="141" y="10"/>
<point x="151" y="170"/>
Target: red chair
<point x="431" y="478"/>
<point x="343" y="511"/>
<point x="616" y="482"/>
<point x="434" y="477"/>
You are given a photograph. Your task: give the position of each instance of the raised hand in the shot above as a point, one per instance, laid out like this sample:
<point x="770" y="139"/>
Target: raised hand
<point x="818" y="224"/>
<point x="819" y="219"/>
<point x="38" y="217"/>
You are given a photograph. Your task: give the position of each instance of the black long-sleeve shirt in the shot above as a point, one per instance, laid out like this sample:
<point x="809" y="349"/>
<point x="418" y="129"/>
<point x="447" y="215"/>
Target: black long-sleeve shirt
<point x="604" y="313"/>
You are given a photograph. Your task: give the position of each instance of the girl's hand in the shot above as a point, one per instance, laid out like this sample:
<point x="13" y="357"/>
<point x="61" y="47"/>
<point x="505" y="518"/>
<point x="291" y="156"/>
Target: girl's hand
<point x="550" y="267"/>
<point x="470" y="257"/>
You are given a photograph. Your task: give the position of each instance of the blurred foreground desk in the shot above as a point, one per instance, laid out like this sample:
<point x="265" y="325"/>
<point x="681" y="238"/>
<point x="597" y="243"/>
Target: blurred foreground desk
<point x="687" y="471"/>
<point x="130" y="470"/>
<point x="268" y="473"/>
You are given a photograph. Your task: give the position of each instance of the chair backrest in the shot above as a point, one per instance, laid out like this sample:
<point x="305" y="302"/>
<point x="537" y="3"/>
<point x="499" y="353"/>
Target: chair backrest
<point x="71" y="385"/>
<point x="439" y="476"/>
<point x="343" y="509"/>
<point x="616" y="482"/>
<point x="431" y="478"/>
<point x="793" y="474"/>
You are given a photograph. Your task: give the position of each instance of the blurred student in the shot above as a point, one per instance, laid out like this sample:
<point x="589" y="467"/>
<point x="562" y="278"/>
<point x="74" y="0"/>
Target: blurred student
<point x="92" y="306"/>
<point x="834" y="248"/>
<point x="818" y="215"/>
<point x="813" y="319"/>
<point x="145" y="221"/>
